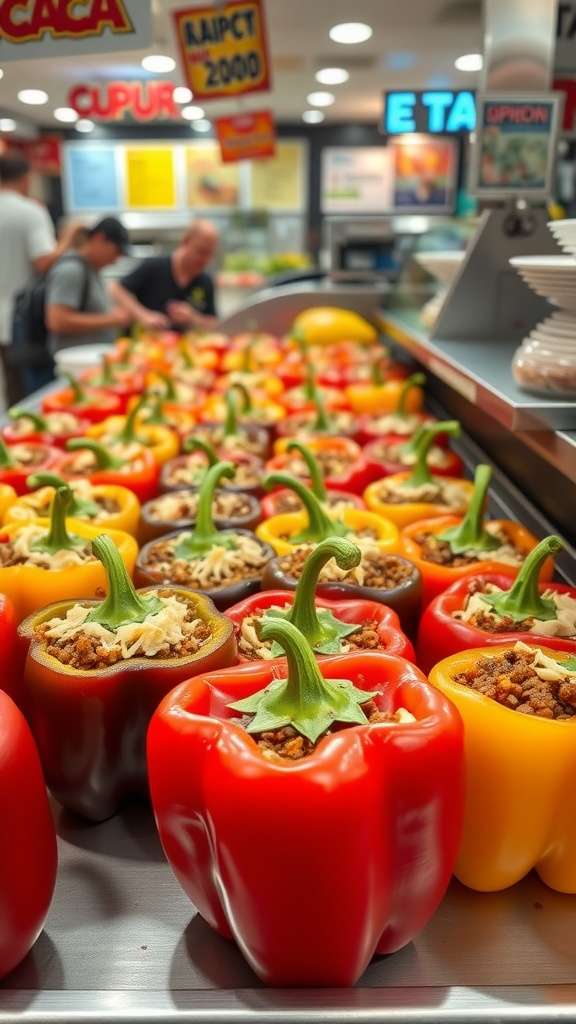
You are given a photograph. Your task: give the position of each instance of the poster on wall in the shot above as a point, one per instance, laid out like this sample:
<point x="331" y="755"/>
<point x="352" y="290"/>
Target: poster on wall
<point x="412" y="174"/>
<point x="150" y="180"/>
<point x="37" y="29"/>
<point x="425" y="173"/>
<point x="278" y="183"/>
<point x="91" y="178"/>
<point x="249" y="136"/>
<point x="357" y="180"/>
<point x="209" y="182"/>
<point x="514" y="153"/>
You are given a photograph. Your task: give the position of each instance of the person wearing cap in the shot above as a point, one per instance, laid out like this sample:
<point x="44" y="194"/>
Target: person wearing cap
<point x="173" y="291"/>
<point x="79" y="309"/>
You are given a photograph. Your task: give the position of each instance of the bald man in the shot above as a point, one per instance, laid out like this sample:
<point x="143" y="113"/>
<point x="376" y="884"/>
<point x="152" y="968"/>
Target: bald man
<point x="173" y="292"/>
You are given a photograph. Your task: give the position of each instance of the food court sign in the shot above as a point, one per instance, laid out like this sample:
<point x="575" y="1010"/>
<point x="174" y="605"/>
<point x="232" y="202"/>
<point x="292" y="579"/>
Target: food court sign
<point x="223" y="49"/>
<point x="31" y="29"/>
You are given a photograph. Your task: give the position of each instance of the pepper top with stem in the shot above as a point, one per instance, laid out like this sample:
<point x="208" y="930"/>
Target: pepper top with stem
<point x="58" y="538"/>
<point x="79" y="396"/>
<point x="322" y="421"/>
<point x="77" y="506"/>
<point x="470" y="534"/>
<point x="105" y="459"/>
<point x="122" y="606"/>
<point x="420" y="444"/>
<point x="305" y="699"/>
<point x="523" y="600"/>
<point x="320" y="525"/>
<point x="7" y="461"/>
<point x="38" y="422"/>
<point x="247" y="408"/>
<point x="169" y="394"/>
<point x="198" y="444"/>
<point x="205" y="536"/>
<point x="128" y="433"/>
<point x="323" y="631"/>
<point x="318" y="487"/>
<point x="416" y="380"/>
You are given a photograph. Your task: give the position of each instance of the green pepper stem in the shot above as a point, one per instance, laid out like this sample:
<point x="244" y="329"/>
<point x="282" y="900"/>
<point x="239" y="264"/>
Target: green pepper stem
<point x="322" y="421"/>
<point x="416" y="380"/>
<point x="305" y="699"/>
<point x="318" y="487"/>
<point x="122" y="606"/>
<point x="205" y="536"/>
<point x="128" y="435"/>
<point x="154" y="404"/>
<point x="104" y="457"/>
<point x="186" y="356"/>
<point x="38" y="422"/>
<point x="77" y="506"/>
<point x="523" y="600"/>
<point x="320" y="525"/>
<point x="247" y="404"/>
<point x="231" y="421"/>
<point x="170" y="394"/>
<point x="303" y="613"/>
<point x="105" y="377"/>
<point x="198" y="444"/>
<point x="420" y="445"/>
<point x="6" y="459"/>
<point x="247" y="354"/>
<point x="470" y="534"/>
<point x="309" y="387"/>
<point x="376" y="375"/>
<point x="79" y="396"/>
<point x="58" y="538"/>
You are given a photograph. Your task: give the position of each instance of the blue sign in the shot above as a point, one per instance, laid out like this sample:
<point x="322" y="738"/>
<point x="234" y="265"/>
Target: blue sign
<point x="431" y="112"/>
<point x="92" y="182"/>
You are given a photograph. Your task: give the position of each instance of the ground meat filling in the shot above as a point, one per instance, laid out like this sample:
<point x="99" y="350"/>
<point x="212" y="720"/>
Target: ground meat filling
<point x="221" y="567"/>
<point x="17" y="550"/>
<point x="26" y="455"/>
<point x="184" y="505"/>
<point x="340" y="423"/>
<point x="190" y="472"/>
<point x="391" y="423"/>
<point x="365" y="536"/>
<point x="437" y="492"/>
<point x="525" y="680"/>
<point x="440" y="553"/>
<point x="174" y="632"/>
<point x="84" y="463"/>
<point x="243" y="441"/>
<point x="377" y="569"/>
<point x="252" y="647"/>
<point x="290" y="502"/>
<point x="286" y="744"/>
<point x="476" y="612"/>
<point x="333" y="464"/>
<point x="437" y="458"/>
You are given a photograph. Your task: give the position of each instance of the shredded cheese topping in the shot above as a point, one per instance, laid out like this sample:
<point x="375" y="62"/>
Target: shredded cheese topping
<point x="391" y="423"/>
<point x="185" y="505"/>
<point x="166" y="628"/>
<point x="453" y="495"/>
<point x="563" y="625"/>
<point x="546" y="668"/>
<point x="220" y="564"/>
<point x="63" y="559"/>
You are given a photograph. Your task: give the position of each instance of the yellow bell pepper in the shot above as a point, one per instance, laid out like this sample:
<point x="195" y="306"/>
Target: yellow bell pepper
<point x="7" y="497"/>
<point x="87" y="504"/>
<point x="32" y="586"/>
<point x="290" y="530"/>
<point x="380" y="395"/>
<point x="326" y="325"/>
<point x="520" y="769"/>
<point x="163" y="442"/>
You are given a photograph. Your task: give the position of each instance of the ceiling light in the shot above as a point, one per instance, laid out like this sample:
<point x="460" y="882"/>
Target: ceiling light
<point x="320" y="99"/>
<point x="201" y="125"/>
<point x="158" y="64"/>
<point x="350" y="32"/>
<point x="66" y="114"/>
<point x="192" y="113"/>
<point x="1" y="73"/>
<point x="313" y="116"/>
<point x="469" y="62"/>
<point x="84" y="125"/>
<point x="34" y="96"/>
<point x="182" y="94"/>
<point x="7" y="124"/>
<point x="332" y="76"/>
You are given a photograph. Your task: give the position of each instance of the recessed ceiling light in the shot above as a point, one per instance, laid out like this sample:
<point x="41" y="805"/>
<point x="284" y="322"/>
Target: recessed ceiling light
<point x="320" y="99"/>
<point x="469" y="62"/>
<point x="66" y="114"/>
<point x="34" y="96"/>
<point x="201" y="125"/>
<point x="350" y="32"/>
<point x="84" y="125"/>
<point x="182" y="94"/>
<point x="7" y="124"/>
<point x="192" y="113"/>
<point x="158" y="64"/>
<point x="332" y="76"/>
<point x="313" y="116"/>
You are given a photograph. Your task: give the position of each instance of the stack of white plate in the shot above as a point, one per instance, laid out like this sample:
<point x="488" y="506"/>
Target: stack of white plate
<point x="545" y="363"/>
<point x="564" y="232"/>
<point x="444" y="267"/>
<point x="553" y="277"/>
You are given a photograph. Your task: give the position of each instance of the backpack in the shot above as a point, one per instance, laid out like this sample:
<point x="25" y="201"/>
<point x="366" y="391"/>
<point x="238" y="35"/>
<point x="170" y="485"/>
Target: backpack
<point x="29" y="342"/>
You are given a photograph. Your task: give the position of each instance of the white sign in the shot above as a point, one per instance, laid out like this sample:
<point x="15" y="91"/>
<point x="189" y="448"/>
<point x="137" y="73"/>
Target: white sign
<point x="357" y="180"/>
<point x="37" y="29"/>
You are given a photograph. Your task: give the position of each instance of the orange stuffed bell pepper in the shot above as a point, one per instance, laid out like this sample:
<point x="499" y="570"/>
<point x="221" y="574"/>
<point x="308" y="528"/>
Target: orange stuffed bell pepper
<point x="450" y="547"/>
<point x="291" y="530"/>
<point x="382" y="395"/>
<point x="518" y="704"/>
<point x="44" y="561"/>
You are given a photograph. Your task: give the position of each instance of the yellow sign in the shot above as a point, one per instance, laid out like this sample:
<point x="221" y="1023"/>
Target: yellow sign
<point x="209" y="181"/>
<point x="223" y="49"/>
<point x="277" y="183"/>
<point x="150" y="178"/>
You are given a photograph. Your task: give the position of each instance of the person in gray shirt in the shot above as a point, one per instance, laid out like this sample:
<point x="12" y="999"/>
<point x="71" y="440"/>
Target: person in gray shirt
<point x="78" y="307"/>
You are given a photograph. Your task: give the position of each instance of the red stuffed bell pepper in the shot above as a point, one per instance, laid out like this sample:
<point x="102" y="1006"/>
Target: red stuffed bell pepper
<point x="18" y="461"/>
<point x="93" y="404"/>
<point x="11" y="667"/>
<point x="132" y="466"/>
<point x="330" y="627"/>
<point x="311" y="810"/>
<point x="28" y="853"/>
<point x="286" y="500"/>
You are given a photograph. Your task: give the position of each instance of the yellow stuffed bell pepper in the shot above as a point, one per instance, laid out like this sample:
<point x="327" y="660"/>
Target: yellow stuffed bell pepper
<point x="386" y="395"/>
<point x="108" y="505"/>
<point x="290" y="530"/>
<point x="7" y="498"/>
<point x="51" y="560"/>
<point x="163" y="442"/>
<point x="326" y="325"/>
<point x="520" y="767"/>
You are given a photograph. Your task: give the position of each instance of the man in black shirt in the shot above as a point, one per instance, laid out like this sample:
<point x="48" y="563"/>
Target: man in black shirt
<point x="172" y="291"/>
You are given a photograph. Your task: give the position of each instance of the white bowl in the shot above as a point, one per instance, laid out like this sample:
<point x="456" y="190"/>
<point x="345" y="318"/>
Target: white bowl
<point x="442" y="265"/>
<point x="78" y="358"/>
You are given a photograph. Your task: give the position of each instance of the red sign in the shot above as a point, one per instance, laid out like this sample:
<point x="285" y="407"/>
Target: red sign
<point x="111" y="101"/>
<point x="246" y="136"/>
<point x="60" y="18"/>
<point x="43" y="154"/>
<point x="567" y="86"/>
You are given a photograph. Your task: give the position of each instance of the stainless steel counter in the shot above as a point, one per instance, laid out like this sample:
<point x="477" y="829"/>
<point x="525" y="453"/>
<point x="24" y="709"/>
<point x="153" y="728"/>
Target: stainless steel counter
<point x="123" y="943"/>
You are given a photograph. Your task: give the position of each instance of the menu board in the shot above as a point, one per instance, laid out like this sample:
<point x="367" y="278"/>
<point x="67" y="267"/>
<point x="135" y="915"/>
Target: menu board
<point x="90" y="178"/>
<point x="210" y="182"/>
<point x="277" y="183"/>
<point x="150" y="180"/>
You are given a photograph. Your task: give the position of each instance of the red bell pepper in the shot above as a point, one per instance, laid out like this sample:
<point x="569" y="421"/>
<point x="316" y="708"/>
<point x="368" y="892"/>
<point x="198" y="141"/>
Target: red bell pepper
<point x="190" y="468"/>
<point x="317" y="421"/>
<point x="90" y="719"/>
<point x="54" y="429"/>
<point x="11" y="667"/>
<point x="95" y="404"/>
<point x="358" y="838"/>
<point x="523" y="606"/>
<point x="392" y="453"/>
<point x="134" y="468"/>
<point x="306" y="395"/>
<point x="17" y="461"/>
<point x="344" y="468"/>
<point x="330" y="630"/>
<point x="123" y="380"/>
<point x="28" y="852"/>
<point x="285" y="500"/>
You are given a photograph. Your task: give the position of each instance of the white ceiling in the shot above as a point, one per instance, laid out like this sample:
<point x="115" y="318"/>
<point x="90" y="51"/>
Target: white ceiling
<point x="414" y="45"/>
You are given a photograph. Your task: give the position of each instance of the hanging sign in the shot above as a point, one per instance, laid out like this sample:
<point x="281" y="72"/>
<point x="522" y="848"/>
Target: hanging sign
<point x="246" y="136"/>
<point x="437" y="110"/>
<point x="112" y="101"/>
<point x="43" y="155"/>
<point x="223" y="49"/>
<point x="36" y="29"/>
